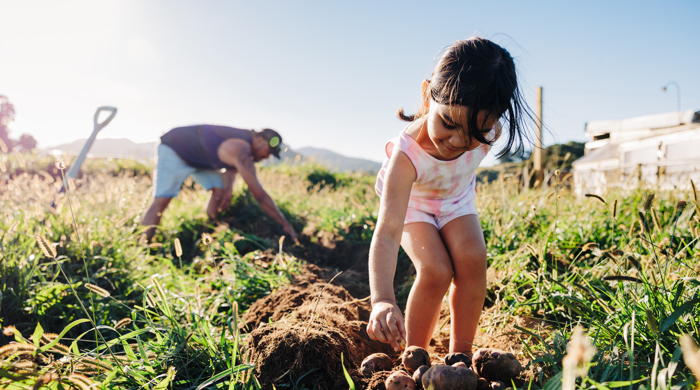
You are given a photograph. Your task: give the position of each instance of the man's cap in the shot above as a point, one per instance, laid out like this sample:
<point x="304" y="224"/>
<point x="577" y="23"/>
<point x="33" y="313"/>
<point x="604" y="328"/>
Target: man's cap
<point x="274" y="139"/>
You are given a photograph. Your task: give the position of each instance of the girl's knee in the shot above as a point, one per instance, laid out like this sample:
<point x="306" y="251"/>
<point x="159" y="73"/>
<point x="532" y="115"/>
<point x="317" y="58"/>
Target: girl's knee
<point x="435" y="277"/>
<point x="472" y="266"/>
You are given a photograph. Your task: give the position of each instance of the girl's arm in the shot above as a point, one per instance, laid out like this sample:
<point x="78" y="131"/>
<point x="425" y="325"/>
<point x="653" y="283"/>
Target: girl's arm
<point x="386" y="321"/>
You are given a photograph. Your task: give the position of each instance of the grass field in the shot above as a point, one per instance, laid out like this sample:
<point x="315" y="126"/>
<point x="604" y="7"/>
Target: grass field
<point x="86" y="303"/>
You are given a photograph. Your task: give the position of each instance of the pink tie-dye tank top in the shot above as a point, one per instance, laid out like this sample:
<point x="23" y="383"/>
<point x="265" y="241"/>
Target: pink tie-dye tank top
<point x="441" y="187"/>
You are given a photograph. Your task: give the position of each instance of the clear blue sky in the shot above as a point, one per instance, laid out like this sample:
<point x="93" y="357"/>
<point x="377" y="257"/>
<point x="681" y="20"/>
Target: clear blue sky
<point x="328" y="74"/>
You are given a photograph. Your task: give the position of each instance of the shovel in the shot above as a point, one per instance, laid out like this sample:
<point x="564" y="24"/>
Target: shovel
<point x="73" y="172"/>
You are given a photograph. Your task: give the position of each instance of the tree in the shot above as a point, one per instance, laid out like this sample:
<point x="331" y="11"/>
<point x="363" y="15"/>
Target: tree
<point x="560" y="156"/>
<point x="7" y="115"/>
<point x="26" y="142"/>
<point x="516" y="158"/>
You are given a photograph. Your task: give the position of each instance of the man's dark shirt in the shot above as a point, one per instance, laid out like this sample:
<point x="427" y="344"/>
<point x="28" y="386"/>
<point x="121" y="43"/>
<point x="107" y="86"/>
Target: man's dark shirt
<point x="198" y="145"/>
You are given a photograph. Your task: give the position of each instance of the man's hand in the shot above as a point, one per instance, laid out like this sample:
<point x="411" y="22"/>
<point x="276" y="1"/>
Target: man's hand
<point x="386" y="324"/>
<point x="238" y="154"/>
<point x="289" y="230"/>
<point x="225" y="201"/>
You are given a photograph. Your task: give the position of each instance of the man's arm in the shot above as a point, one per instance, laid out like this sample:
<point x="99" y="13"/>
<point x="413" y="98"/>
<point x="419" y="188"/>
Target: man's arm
<point x="227" y="177"/>
<point x="237" y="153"/>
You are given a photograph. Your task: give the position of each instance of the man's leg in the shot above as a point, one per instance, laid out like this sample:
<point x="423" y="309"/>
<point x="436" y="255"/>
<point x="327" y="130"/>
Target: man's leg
<point x="171" y="171"/>
<point x="153" y="214"/>
<point x="213" y="181"/>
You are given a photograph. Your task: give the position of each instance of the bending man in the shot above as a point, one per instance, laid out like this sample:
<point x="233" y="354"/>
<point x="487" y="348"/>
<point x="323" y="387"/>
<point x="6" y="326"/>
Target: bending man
<point x="212" y="155"/>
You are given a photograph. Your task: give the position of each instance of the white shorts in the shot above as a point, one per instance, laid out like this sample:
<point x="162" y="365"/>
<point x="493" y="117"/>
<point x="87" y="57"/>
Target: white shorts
<point x="440" y="220"/>
<point x="171" y="171"/>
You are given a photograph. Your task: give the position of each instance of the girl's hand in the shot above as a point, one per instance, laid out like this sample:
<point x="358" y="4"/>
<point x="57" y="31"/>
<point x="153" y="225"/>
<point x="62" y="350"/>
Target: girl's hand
<point x="386" y="324"/>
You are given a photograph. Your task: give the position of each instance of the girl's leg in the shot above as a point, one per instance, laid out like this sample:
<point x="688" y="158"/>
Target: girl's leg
<point x="465" y="243"/>
<point x="423" y="244"/>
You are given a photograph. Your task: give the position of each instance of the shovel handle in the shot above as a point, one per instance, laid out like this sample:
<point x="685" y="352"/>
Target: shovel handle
<point x="75" y="167"/>
<point x="99" y="126"/>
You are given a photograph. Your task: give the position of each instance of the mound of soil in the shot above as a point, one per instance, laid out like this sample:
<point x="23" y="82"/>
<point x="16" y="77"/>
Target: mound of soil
<point x="284" y="353"/>
<point x="289" y="300"/>
<point x="377" y="380"/>
<point x="276" y="323"/>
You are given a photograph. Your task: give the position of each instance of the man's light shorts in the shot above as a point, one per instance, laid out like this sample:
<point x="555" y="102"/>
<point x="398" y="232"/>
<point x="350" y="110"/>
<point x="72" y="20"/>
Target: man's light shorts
<point x="171" y="171"/>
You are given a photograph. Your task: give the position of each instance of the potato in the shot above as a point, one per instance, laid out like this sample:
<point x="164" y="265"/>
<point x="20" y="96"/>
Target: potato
<point x="443" y="377"/>
<point x="376" y="362"/>
<point x="418" y="376"/>
<point x="496" y="365"/>
<point x="452" y="358"/>
<point x="498" y="385"/>
<point x="460" y="364"/>
<point x="414" y="357"/>
<point x="399" y="380"/>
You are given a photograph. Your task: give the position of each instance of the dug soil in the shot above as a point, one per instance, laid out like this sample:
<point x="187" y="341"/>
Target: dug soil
<point x="311" y="332"/>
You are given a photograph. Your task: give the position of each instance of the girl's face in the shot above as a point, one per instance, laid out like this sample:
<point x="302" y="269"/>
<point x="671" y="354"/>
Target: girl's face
<point x="448" y="129"/>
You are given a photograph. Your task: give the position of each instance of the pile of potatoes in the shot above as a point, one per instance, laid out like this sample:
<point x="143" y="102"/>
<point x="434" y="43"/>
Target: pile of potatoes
<point x="490" y="369"/>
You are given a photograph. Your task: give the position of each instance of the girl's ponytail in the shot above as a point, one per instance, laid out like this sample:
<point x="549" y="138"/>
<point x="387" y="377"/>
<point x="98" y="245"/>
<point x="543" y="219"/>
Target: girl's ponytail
<point x="423" y="109"/>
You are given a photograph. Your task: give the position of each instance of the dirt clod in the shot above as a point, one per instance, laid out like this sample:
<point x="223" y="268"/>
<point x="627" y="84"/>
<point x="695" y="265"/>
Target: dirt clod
<point x="496" y="365"/>
<point x="377" y="380"/>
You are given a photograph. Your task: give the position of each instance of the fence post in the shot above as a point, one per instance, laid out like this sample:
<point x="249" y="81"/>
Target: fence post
<point x="537" y="158"/>
<point x="639" y="175"/>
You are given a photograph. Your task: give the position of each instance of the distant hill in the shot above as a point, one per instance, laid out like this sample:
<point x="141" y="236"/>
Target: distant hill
<point x="126" y="148"/>
<point x="339" y="163"/>
<point x="111" y="147"/>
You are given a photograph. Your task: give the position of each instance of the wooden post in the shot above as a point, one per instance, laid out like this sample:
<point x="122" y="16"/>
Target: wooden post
<point x="538" y="176"/>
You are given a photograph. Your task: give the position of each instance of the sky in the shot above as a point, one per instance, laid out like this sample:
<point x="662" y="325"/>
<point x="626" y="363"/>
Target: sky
<point x="329" y="74"/>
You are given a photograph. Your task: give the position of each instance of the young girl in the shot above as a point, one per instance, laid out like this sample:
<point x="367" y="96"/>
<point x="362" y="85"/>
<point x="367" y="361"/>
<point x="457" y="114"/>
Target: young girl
<point x="427" y="190"/>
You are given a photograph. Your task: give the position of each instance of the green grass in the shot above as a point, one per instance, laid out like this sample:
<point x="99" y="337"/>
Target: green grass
<point x="625" y="272"/>
<point x="629" y="279"/>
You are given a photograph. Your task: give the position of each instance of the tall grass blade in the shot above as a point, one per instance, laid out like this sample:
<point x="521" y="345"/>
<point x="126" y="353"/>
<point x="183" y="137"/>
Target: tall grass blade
<point x="36" y="337"/>
<point x="555" y="382"/>
<point x="600" y="198"/>
<point x="655" y="367"/>
<point x="221" y="375"/>
<point x="163" y="304"/>
<point x="695" y="192"/>
<point x="128" y="351"/>
<point x="163" y="385"/>
<point x="60" y="335"/>
<point x="683" y="309"/>
<point x="345" y="372"/>
<point x="618" y="384"/>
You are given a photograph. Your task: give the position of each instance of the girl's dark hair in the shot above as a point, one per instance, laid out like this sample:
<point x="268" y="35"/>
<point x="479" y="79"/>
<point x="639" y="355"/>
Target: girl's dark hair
<point x="480" y="75"/>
